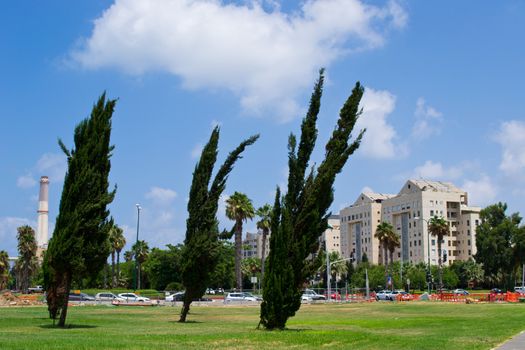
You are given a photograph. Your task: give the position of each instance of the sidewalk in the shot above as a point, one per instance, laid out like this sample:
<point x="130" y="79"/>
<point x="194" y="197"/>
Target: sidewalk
<point x="516" y="343"/>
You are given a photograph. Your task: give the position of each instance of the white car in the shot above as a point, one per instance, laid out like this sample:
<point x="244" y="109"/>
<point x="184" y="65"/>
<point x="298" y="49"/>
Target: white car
<point x="310" y="295"/>
<point x="239" y="297"/>
<point x="210" y="291"/>
<point x="106" y="296"/>
<point x="132" y="297"/>
<point x="384" y="295"/>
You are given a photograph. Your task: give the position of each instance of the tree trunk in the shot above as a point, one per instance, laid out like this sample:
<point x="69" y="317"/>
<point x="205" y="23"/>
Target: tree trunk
<point x="440" y="238"/>
<point x="118" y="268"/>
<point x="105" y="273"/>
<point x="185" y="310"/>
<point x="138" y="276"/>
<point x="112" y="268"/>
<point x="264" y="237"/>
<point x="66" y="284"/>
<point x="238" y="255"/>
<point x="386" y="255"/>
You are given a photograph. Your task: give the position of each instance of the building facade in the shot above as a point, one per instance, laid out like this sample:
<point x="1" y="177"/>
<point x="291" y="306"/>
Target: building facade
<point x="252" y="245"/>
<point x="332" y="235"/>
<point x="409" y="213"/>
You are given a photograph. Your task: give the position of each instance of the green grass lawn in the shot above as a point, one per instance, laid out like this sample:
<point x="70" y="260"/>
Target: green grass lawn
<point x="347" y="326"/>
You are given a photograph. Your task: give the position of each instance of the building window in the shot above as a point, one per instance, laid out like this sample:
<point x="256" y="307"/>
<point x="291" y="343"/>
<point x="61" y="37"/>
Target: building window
<point x="468" y="242"/>
<point x="468" y="222"/>
<point x="433" y="242"/>
<point x="431" y="213"/>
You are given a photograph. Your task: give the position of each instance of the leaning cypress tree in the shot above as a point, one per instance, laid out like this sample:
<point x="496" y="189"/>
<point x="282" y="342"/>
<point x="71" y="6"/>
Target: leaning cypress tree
<point x="80" y="246"/>
<point x="201" y="246"/>
<point x="302" y="216"/>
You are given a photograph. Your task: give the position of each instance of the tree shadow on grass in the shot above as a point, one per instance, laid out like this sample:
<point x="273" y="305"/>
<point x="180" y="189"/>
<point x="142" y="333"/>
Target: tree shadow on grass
<point x="68" y="326"/>
<point x="190" y="321"/>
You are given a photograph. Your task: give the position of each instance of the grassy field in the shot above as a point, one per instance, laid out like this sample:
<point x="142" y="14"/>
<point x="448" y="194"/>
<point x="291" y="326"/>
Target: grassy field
<point x="348" y="326"/>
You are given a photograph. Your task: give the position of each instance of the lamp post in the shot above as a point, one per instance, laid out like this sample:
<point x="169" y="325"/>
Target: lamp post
<point x="135" y="275"/>
<point x="428" y="250"/>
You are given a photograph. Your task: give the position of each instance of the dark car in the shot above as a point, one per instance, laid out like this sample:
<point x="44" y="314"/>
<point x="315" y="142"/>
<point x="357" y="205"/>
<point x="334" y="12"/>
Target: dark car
<point x="496" y="291"/>
<point x="81" y="297"/>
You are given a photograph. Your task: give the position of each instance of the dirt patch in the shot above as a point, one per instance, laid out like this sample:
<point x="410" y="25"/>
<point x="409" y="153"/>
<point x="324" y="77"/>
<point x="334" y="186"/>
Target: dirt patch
<point x="9" y="299"/>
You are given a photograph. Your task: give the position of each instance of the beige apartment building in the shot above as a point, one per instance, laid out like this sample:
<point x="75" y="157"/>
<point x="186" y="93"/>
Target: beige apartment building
<point x="332" y="235"/>
<point x="409" y="212"/>
<point x="252" y="245"/>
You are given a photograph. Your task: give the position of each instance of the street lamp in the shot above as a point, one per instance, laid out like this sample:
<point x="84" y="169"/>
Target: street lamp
<point x="135" y="275"/>
<point x="428" y="249"/>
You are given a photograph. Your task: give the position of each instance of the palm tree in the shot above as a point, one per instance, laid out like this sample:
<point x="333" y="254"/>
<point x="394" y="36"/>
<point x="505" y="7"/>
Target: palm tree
<point x="438" y="227"/>
<point x="263" y="224"/>
<point x="239" y="208"/>
<point x="4" y="269"/>
<point x="117" y="242"/>
<point x="383" y="230"/>
<point x="392" y="242"/>
<point x="27" y="263"/>
<point x="128" y="255"/>
<point x="120" y="242"/>
<point x="141" y="252"/>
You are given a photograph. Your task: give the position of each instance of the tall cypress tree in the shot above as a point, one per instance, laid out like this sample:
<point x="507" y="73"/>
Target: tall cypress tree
<point x="201" y="246"/>
<point x="302" y="216"/>
<point x="80" y="246"/>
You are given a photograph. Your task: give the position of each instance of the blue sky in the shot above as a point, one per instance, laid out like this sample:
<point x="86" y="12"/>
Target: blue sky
<point x="444" y="98"/>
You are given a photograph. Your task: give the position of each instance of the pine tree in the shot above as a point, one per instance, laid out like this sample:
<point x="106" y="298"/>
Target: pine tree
<point x="201" y="246"/>
<point x="79" y="247"/>
<point x="302" y="216"/>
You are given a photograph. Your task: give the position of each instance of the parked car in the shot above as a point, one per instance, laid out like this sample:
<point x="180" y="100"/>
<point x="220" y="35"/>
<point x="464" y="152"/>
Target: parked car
<point x="496" y="291"/>
<point x="383" y="294"/>
<point x="238" y="297"/>
<point x="460" y="292"/>
<point x="219" y="291"/>
<point x="519" y="289"/>
<point x="36" y="289"/>
<point x="210" y="291"/>
<point x="81" y="297"/>
<point x="134" y="298"/>
<point x="310" y="295"/>
<point x="250" y="295"/>
<point x="107" y="296"/>
<point x="179" y="296"/>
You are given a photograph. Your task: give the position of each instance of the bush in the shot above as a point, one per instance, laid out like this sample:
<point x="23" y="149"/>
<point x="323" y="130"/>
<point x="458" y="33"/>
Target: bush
<point x="174" y="286"/>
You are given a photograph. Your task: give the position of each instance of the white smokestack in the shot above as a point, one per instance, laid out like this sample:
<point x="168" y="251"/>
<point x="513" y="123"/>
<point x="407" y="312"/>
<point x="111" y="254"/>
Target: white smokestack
<point x="43" y="213"/>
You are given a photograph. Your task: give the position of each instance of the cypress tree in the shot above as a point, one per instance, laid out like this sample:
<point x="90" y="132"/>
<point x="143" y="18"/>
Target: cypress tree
<point x="80" y="246"/>
<point x="201" y="246"/>
<point x="303" y="216"/>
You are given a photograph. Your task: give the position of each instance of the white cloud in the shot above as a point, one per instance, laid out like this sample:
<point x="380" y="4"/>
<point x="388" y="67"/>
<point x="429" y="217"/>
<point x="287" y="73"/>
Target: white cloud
<point x="511" y="137"/>
<point x="481" y="192"/>
<point x="26" y="181"/>
<point x="162" y="196"/>
<point x="379" y="138"/>
<point x="428" y="120"/>
<point x="367" y="189"/>
<point x="436" y="170"/>
<point x="265" y="56"/>
<point x="8" y="226"/>
<point x="196" y="151"/>
<point x="52" y="165"/>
